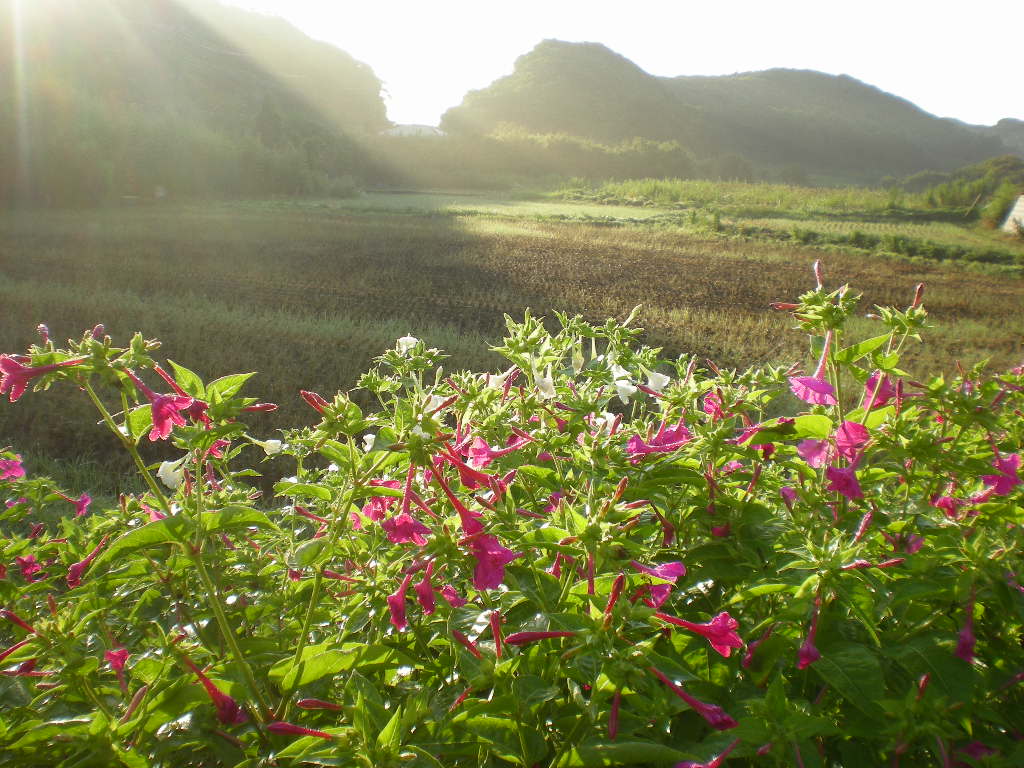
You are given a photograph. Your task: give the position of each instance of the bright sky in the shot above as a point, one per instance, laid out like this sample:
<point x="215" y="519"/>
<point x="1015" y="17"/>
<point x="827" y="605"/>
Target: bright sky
<point x="950" y="58"/>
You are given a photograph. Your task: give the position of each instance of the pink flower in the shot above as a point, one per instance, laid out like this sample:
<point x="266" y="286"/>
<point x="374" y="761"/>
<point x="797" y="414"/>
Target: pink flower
<point x="720" y="631"/>
<point x="453" y="598"/>
<point x="15" y="377"/>
<point x="808" y="653"/>
<point x="288" y="729"/>
<point x="714" y="762"/>
<point x="11" y="616"/>
<point x="524" y="638"/>
<point x="491" y="559"/>
<point x="29" y="567"/>
<point x="425" y="590"/>
<point x="665" y="441"/>
<point x="396" y="604"/>
<point x="164" y="409"/>
<point x="404" y="528"/>
<point x="228" y="711"/>
<point x="966" y="640"/>
<point x="882" y="393"/>
<point x="1007" y="477"/>
<point x="788" y="495"/>
<point x="816" y="453"/>
<point x="844" y="480"/>
<point x="481" y="454"/>
<point x="812" y="390"/>
<point x="81" y="503"/>
<point x="712" y="406"/>
<point x="377" y="507"/>
<point x="75" y="571"/>
<point x="669" y="572"/>
<point x="11" y="469"/>
<point x="851" y="437"/>
<point x="467" y="643"/>
<point x="117" y="659"/>
<point x="715" y="716"/>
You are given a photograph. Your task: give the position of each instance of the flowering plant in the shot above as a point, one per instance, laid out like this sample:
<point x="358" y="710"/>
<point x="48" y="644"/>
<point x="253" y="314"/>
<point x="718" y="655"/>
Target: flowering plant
<point x="596" y="557"/>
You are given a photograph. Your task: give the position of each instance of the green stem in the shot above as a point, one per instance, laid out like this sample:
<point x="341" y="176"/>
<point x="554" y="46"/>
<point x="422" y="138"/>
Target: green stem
<point x="129" y="446"/>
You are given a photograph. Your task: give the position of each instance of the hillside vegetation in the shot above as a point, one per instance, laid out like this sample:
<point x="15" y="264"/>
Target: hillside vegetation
<point x="782" y="121"/>
<point x="123" y="97"/>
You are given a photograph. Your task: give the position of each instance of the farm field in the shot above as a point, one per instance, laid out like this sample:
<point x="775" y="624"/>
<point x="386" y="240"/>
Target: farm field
<point x="308" y="292"/>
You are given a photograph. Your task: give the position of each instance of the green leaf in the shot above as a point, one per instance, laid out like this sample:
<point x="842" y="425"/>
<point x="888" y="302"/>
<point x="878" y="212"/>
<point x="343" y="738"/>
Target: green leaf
<point x="760" y="589"/>
<point x="309" y="553"/>
<point x="227" y="386"/>
<point x="599" y="753"/>
<point x="303" y="489"/>
<point x="140" y="421"/>
<point x="855" y="352"/>
<point x="319" y="661"/>
<point x="391" y="735"/>
<point x="188" y="380"/>
<point x="173" y="529"/>
<point x="812" y="425"/>
<point x="236" y="516"/>
<point x="855" y="673"/>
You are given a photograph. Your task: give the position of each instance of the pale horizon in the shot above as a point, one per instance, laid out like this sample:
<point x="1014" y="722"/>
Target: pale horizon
<point x="945" y="61"/>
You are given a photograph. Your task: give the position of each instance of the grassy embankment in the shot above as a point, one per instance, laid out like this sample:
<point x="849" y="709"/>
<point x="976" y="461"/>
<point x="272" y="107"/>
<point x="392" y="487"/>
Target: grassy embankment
<point x="307" y="293"/>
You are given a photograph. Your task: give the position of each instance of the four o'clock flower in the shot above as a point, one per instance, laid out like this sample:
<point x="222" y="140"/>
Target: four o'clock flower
<point x="715" y="716"/>
<point x="714" y="762"/>
<point x="850" y="438"/>
<point x="396" y="604"/>
<point x="808" y="653"/>
<point x="165" y="409"/>
<point x="425" y="590"/>
<point x="228" y="711"/>
<point x="75" y="571"/>
<point x="404" y="528"/>
<point x="844" y="480"/>
<point x="966" y="641"/>
<point x="289" y="729"/>
<point x="878" y="391"/>
<point x="491" y="559"/>
<point x="669" y="572"/>
<point x="1006" y="478"/>
<point x="11" y="469"/>
<point x="15" y="376"/>
<point x="815" y="389"/>
<point x="117" y="659"/>
<point x="720" y="631"/>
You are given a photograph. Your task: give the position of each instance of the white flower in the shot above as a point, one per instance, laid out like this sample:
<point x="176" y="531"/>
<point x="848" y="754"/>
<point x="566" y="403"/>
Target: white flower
<point x="618" y="372"/>
<point x="406" y="343"/>
<point x="368" y="440"/>
<point x="172" y="473"/>
<point x="420" y="432"/>
<point x="624" y="389"/>
<point x="270" y="447"/>
<point x="497" y="380"/>
<point x="332" y="467"/>
<point x="657" y="381"/>
<point x="545" y="387"/>
<point x="434" y="403"/>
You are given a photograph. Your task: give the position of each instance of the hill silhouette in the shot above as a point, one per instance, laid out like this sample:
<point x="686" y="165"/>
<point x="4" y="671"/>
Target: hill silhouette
<point x="828" y="126"/>
<point x="124" y="97"/>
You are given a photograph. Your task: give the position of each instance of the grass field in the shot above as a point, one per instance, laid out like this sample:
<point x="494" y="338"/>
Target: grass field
<point x="307" y="293"/>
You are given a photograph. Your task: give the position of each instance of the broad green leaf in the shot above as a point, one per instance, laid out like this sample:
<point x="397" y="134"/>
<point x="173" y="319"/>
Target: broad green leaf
<point x="319" y="661"/>
<point x="303" y="489"/>
<point x="236" y="516"/>
<point x="227" y="386"/>
<point x="173" y="529"/>
<point x="760" y="589"/>
<point x="140" y="421"/>
<point x="601" y="753"/>
<point x="391" y="734"/>
<point x="188" y="380"/>
<point x="309" y="553"/>
<point x="855" y="673"/>
<point x="812" y="425"/>
<point x="855" y="352"/>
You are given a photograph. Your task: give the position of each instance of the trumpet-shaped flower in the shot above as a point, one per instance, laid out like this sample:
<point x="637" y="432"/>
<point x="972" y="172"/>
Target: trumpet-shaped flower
<point x="850" y="438"/>
<point x="714" y="762"/>
<point x="668" y="572"/>
<point x="844" y="480"/>
<point x="396" y="604"/>
<point x="816" y="453"/>
<point x="720" y="632"/>
<point x="228" y="710"/>
<point x="1006" y="478"/>
<point x="76" y="570"/>
<point x="878" y="394"/>
<point x="491" y="559"/>
<point x="715" y="716"/>
<point x="11" y="469"/>
<point x="404" y="528"/>
<point x="15" y="377"/>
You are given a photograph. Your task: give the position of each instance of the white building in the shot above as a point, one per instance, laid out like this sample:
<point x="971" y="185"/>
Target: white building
<point x="1016" y="217"/>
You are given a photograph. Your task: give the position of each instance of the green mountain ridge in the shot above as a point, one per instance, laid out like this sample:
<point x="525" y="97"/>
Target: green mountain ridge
<point x="826" y="125"/>
<point x="122" y="97"/>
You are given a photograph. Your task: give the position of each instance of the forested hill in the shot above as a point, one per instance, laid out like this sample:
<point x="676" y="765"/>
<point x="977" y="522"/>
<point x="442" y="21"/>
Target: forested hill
<point x="824" y="125"/>
<point x="123" y="97"/>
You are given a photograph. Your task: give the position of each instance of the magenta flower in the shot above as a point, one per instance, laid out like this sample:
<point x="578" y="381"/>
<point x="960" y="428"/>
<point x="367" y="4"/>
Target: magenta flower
<point x="714" y="762"/>
<point x="377" y="507"/>
<point x="164" y="409"/>
<point x="425" y="590"/>
<point x="453" y="598"/>
<point x="29" y="567"/>
<point x="666" y="440"/>
<point x="878" y="394"/>
<point x="11" y="469"/>
<point x="404" y="528"/>
<point x="844" y="480"/>
<point x="496" y="620"/>
<point x="228" y="711"/>
<point x="396" y="604"/>
<point x="808" y="653"/>
<point x="491" y="559"/>
<point x="788" y="495"/>
<point x="712" y="406"/>
<point x="966" y="640"/>
<point x="715" y="716"/>
<point x="11" y="616"/>
<point x="613" y="715"/>
<point x="1007" y="477"/>
<point x="481" y="454"/>
<point x="669" y="572"/>
<point x="748" y="657"/>
<point x="314" y="401"/>
<point x="117" y="659"/>
<point x="467" y="643"/>
<point x="15" y="377"/>
<point x="814" y="389"/>
<point x="524" y="638"/>
<point x="318" y="704"/>
<point x="720" y="632"/>
<point x="289" y="729"/>
<point x="75" y="571"/>
<point x="817" y="453"/>
<point x="904" y="542"/>
<point x="851" y="437"/>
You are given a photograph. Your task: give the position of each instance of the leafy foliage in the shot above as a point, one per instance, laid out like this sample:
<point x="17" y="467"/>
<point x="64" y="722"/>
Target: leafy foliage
<point x="596" y="557"/>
